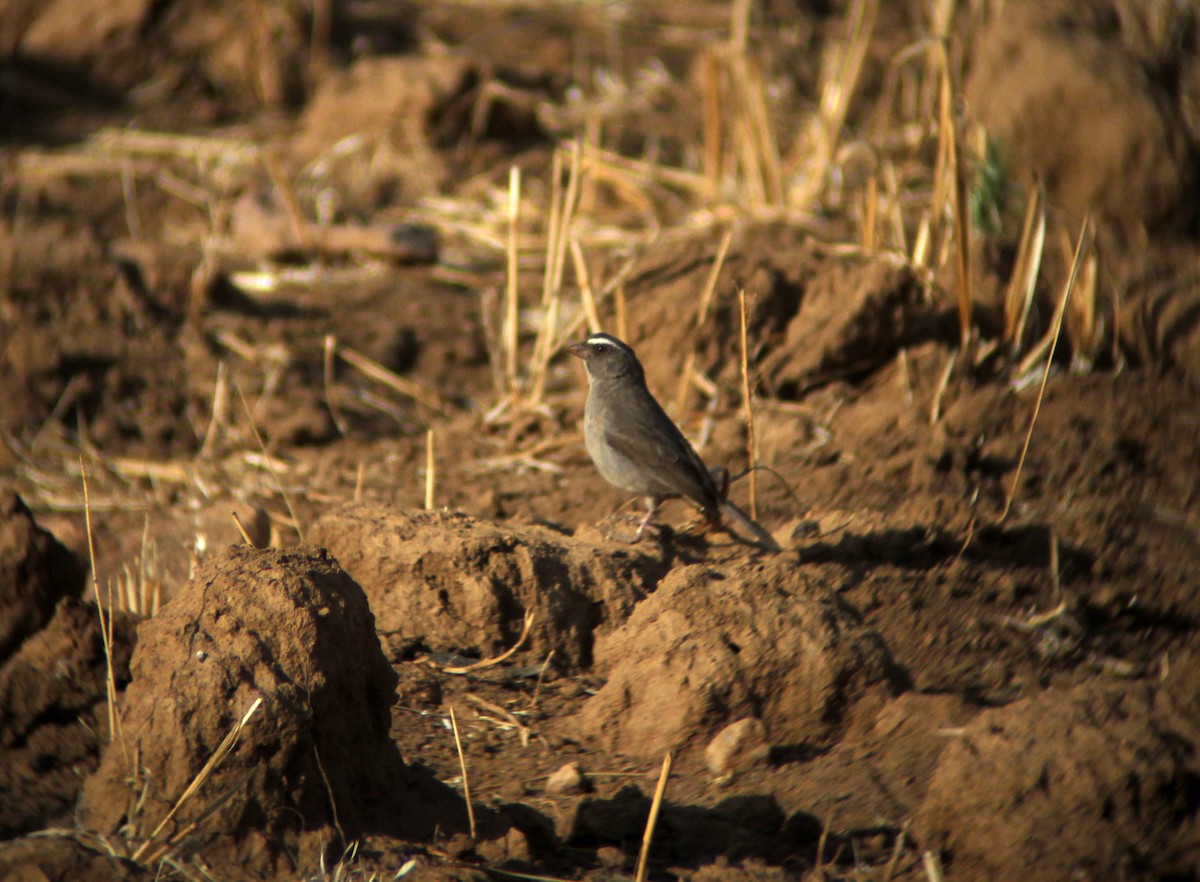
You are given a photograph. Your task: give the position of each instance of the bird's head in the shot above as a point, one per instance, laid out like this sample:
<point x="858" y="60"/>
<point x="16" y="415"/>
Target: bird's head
<point x="606" y="357"/>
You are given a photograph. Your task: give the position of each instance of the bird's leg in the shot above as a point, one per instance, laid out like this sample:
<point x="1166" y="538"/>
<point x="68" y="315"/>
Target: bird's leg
<point x="652" y="503"/>
<point x="720" y="476"/>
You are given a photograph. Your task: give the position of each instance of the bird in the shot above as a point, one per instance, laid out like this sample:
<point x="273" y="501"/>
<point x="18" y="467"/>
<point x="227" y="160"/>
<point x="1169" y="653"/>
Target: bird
<point x="637" y="448"/>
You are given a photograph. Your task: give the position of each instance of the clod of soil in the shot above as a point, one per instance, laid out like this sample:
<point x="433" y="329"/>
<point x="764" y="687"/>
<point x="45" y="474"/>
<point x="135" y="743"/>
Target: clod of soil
<point x="1113" y="140"/>
<point x="363" y="102"/>
<point x="451" y="583"/>
<point x="852" y="319"/>
<point x="739" y="745"/>
<point x="1100" y="783"/>
<point x="314" y="767"/>
<point x="36" y="571"/>
<point x="56" y="680"/>
<point x="711" y="646"/>
<point x="63" y="857"/>
<point x="1158" y="325"/>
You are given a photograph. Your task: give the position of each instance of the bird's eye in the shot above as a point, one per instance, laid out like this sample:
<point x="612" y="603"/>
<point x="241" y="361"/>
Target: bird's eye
<point x="599" y="348"/>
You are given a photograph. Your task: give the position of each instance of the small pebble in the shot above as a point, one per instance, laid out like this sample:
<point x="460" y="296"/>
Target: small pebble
<point x="567" y="781"/>
<point x="739" y="746"/>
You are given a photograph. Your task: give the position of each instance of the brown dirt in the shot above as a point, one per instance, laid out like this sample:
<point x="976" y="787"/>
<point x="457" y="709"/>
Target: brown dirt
<point x="54" y="714"/>
<point x="1095" y="781"/>
<point x="711" y="646"/>
<point x="1117" y="142"/>
<point x="1018" y="695"/>
<point x="65" y="857"/>
<point x="317" y="767"/>
<point x="35" y="572"/>
<point x="446" y="582"/>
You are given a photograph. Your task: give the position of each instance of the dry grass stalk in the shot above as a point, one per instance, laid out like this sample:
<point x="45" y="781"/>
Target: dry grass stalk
<point x="300" y="229"/>
<point x="507" y="719"/>
<point x="812" y="154"/>
<point x="220" y="411"/>
<point x="895" y="217"/>
<point x="131" y="468"/>
<point x="462" y="762"/>
<point x="133" y="220"/>
<point x="527" y="458"/>
<point x="553" y="253"/>
<point x="932" y="863"/>
<point x="380" y="374"/>
<point x="223" y="750"/>
<point x="328" y="355"/>
<point x="140" y="589"/>
<point x="643" y="863"/>
<point x="942" y="17"/>
<point x="897" y="850"/>
<point x="1085" y="326"/>
<point x="622" y="312"/>
<point x="583" y="277"/>
<point x="713" y="126"/>
<point x="322" y="25"/>
<point x="739" y="26"/>
<point x="237" y="521"/>
<point x="271" y="467"/>
<point x="1037" y="350"/>
<point x="134" y="144"/>
<point x="706" y="298"/>
<point x="511" y="291"/>
<point x="867" y="219"/>
<point x="1018" y="298"/>
<point x="748" y="406"/>
<point x="628" y="172"/>
<point x="430" y="471"/>
<point x="761" y="178"/>
<point x="162" y="855"/>
<point x="922" y="247"/>
<point x="822" y="840"/>
<point x="508" y="653"/>
<point x="959" y="206"/>
<point x="765" y="140"/>
<point x="943" y="180"/>
<point x="935" y="409"/>
<point x="562" y="215"/>
<point x="589" y="299"/>
<point x="1081" y="249"/>
<point x="512" y="874"/>
<point x="115" y="733"/>
<point x="537" y="689"/>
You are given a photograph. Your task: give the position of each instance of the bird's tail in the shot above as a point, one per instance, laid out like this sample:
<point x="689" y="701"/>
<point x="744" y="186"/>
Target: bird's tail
<point x="743" y="527"/>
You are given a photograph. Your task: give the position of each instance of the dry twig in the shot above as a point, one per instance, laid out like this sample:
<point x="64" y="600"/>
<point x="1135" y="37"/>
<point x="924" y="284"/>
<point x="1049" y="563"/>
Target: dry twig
<point x="490" y="662"/>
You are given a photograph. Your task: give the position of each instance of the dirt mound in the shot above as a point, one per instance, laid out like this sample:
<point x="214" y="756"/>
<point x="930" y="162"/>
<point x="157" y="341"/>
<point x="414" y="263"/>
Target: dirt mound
<point x="1159" y="327"/>
<point x="202" y="313"/>
<point x="55" y="682"/>
<point x="447" y="582"/>
<point x="1096" y="783"/>
<point x="772" y="265"/>
<point x="315" y="766"/>
<point x="1069" y="100"/>
<point x="363" y="102"/>
<point x="814" y="318"/>
<point x="711" y="646"/>
<point x="186" y="50"/>
<point x="36" y="570"/>
<point x="853" y="317"/>
<point x="42" y="858"/>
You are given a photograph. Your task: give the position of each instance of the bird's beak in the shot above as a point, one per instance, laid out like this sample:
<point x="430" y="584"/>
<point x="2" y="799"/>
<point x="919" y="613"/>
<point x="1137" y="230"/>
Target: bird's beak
<point x="579" y="350"/>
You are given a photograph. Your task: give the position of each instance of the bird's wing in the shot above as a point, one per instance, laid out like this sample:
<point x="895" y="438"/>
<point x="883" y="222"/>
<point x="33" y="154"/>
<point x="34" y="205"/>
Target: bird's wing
<point x="668" y="454"/>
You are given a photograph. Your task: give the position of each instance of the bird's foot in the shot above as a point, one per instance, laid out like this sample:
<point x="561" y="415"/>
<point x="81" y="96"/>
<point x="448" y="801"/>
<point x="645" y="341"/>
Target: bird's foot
<point x="644" y="530"/>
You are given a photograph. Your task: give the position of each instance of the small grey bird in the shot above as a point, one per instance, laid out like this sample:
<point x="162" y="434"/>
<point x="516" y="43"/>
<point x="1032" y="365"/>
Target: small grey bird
<point x="637" y="448"/>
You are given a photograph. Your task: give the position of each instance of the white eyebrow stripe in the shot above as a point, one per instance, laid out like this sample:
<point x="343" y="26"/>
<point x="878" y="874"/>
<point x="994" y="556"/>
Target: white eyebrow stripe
<point x="595" y="341"/>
